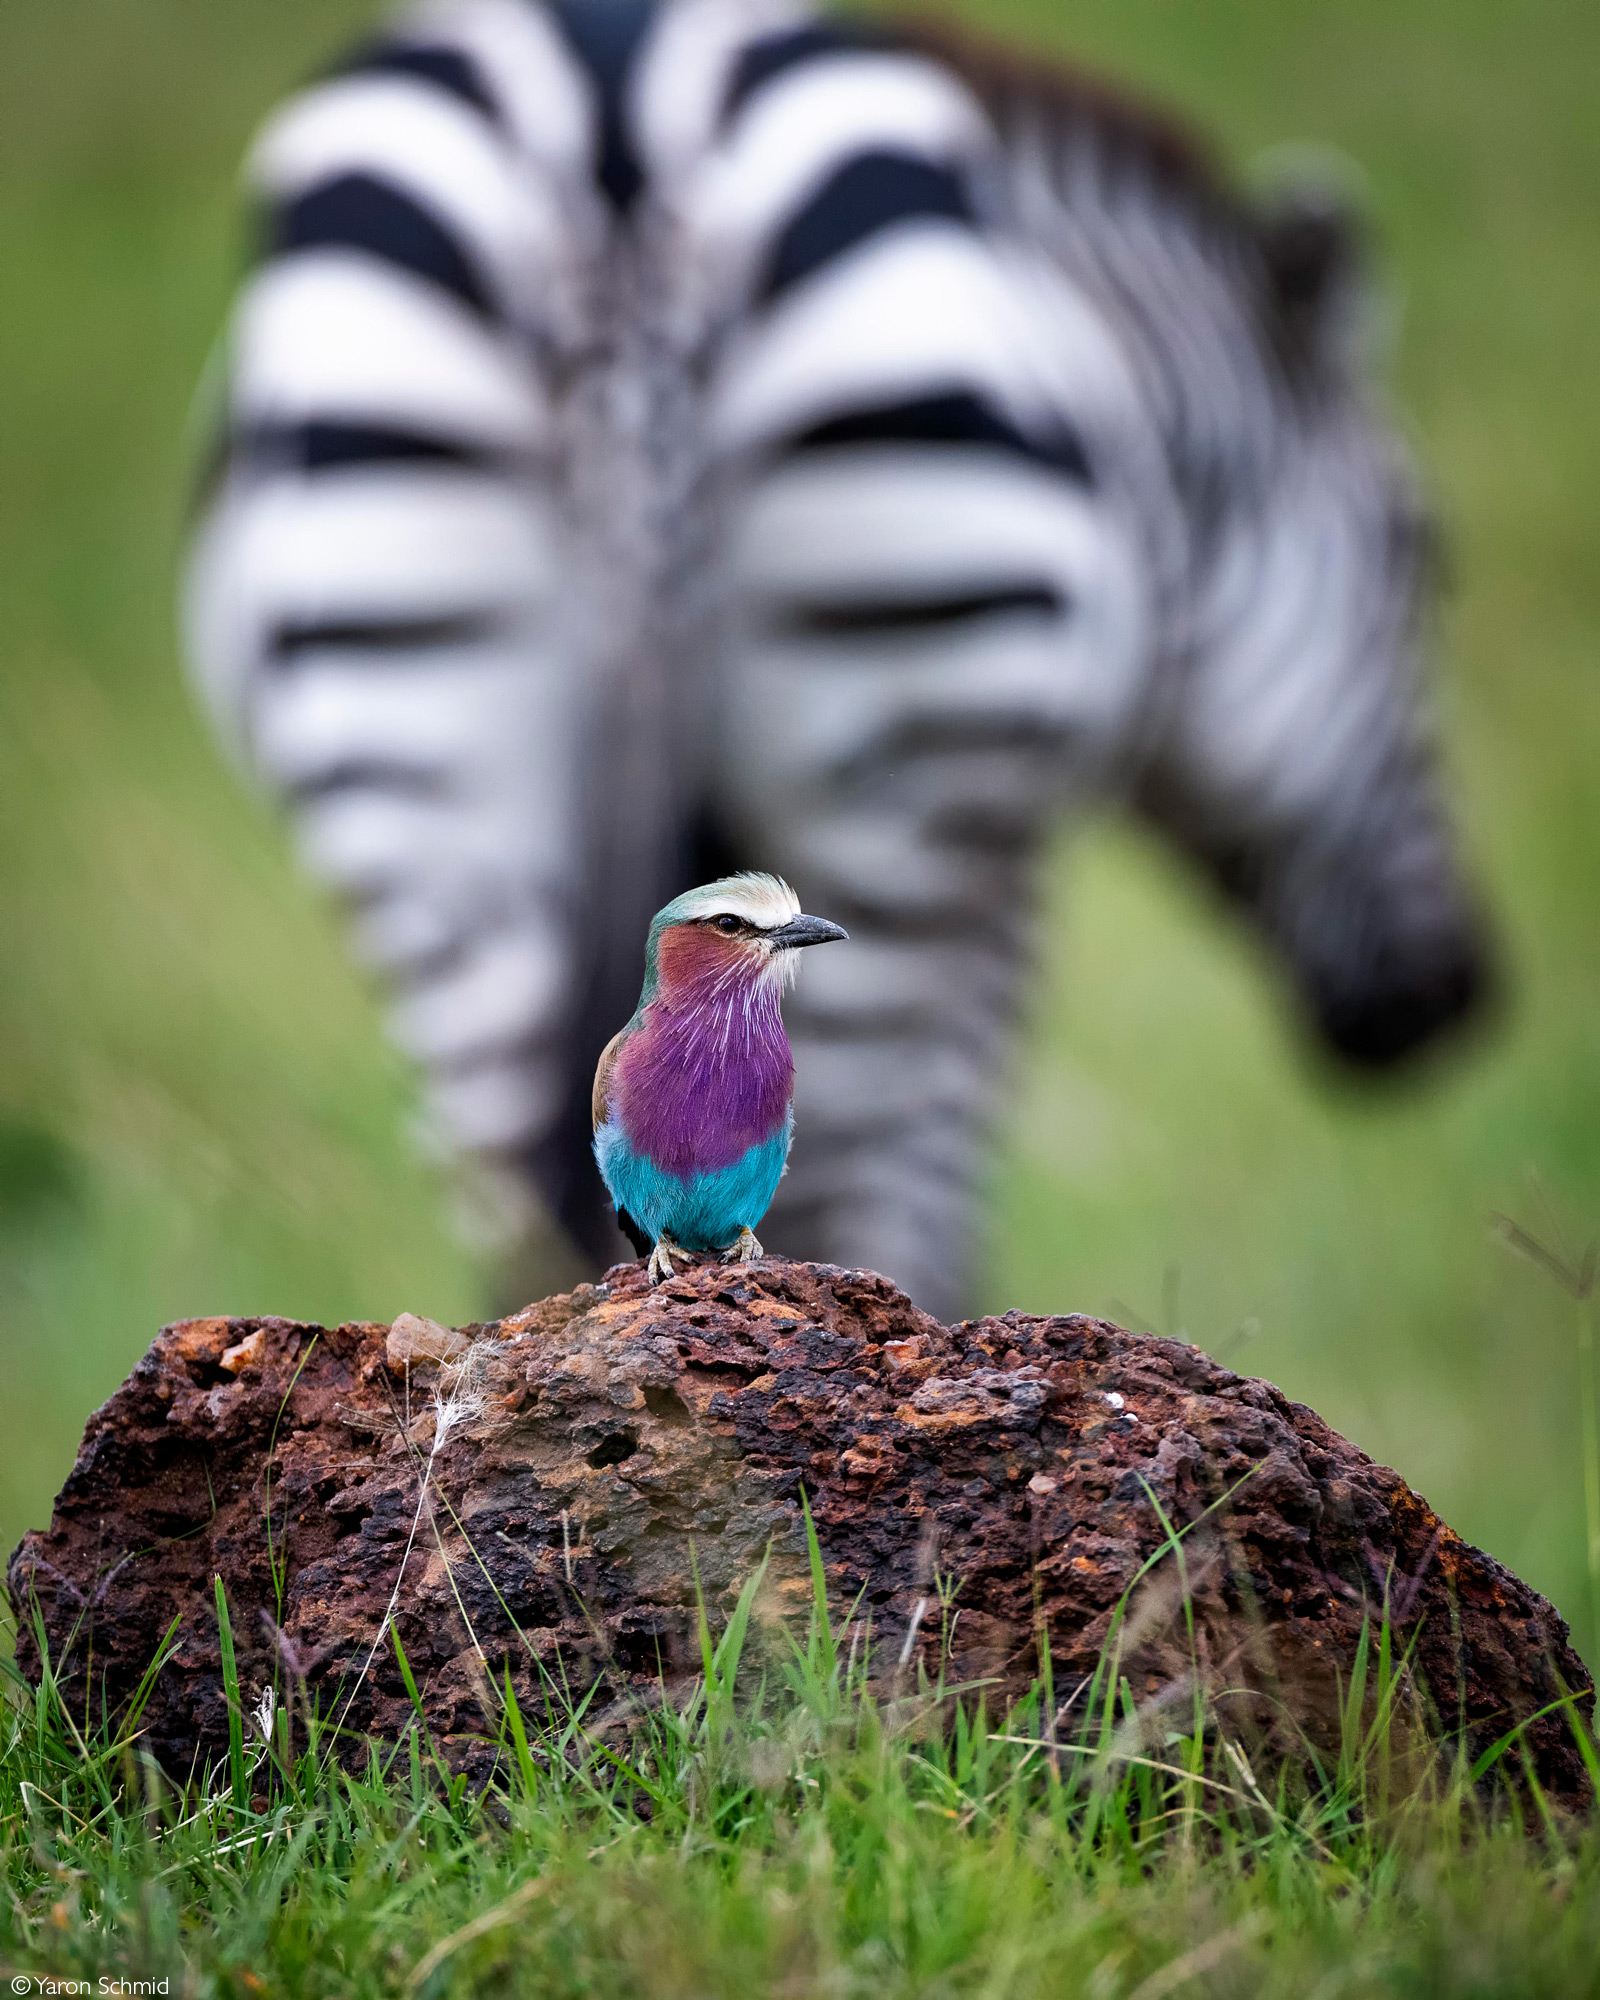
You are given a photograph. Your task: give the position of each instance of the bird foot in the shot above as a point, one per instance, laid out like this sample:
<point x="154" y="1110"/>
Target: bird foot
<point x="745" y="1250"/>
<point x="661" y="1265"/>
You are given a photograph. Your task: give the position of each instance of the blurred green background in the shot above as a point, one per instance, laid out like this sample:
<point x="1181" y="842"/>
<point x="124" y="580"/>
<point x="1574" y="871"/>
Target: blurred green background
<point x="197" y="1113"/>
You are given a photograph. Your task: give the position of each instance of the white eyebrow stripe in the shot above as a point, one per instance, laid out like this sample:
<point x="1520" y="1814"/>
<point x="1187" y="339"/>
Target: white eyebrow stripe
<point x="767" y="905"/>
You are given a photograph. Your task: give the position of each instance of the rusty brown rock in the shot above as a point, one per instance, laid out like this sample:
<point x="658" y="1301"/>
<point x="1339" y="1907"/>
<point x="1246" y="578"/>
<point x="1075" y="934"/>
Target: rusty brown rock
<point x="606" y="1446"/>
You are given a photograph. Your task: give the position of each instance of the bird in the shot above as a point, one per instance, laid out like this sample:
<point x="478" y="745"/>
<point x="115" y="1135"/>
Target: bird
<point x="693" y="1104"/>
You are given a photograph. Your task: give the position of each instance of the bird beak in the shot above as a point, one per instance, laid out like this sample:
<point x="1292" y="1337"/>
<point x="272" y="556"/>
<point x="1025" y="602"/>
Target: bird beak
<point x="805" y="930"/>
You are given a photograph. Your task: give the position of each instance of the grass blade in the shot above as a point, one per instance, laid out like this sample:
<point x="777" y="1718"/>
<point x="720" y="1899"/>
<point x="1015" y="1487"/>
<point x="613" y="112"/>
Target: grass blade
<point x="230" y="1690"/>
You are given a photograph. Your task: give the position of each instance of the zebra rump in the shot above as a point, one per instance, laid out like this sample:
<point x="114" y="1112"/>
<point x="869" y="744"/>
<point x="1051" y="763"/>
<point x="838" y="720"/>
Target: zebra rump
<point x="671" y="436"/>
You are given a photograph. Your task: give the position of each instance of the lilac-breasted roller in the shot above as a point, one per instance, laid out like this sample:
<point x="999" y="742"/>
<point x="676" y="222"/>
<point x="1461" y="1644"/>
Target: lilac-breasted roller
<point x="694" y="1099"/>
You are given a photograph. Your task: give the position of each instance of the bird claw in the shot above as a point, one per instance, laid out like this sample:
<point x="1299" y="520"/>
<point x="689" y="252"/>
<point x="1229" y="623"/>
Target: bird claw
<point x="661" y="1265"/>
<point x="745" y="1250"/>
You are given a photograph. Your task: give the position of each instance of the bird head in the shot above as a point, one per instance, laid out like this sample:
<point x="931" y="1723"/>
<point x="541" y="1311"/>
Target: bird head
<point x="746" y="928"/>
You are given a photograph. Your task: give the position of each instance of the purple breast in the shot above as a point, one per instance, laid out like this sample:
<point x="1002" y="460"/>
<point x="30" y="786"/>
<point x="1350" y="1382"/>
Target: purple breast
<point x="696" y="1086"/>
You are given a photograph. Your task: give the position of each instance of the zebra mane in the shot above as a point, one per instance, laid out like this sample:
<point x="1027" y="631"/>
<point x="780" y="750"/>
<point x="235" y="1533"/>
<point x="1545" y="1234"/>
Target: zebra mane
<point x="1290" y="257"/>
<point x="1015" y="86"/>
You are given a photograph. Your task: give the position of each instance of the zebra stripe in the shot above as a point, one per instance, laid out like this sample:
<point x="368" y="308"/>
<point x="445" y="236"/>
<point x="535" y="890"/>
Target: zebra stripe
<point x="329" y="335"/>
<point x="607" y="37"/>
<point x="872" y="191"/>
<point x="772" y="56"/>
<point x="447" y="69"/>
<point x="320" y="446"/>
<point x="440" y="175"/>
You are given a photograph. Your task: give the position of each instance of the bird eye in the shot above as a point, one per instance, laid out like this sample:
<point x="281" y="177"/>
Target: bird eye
<point x="727" y="925"/>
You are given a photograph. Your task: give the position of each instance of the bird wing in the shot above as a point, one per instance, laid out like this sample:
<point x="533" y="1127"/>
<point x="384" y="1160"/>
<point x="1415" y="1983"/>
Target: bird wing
<point x="600" y="1102"/>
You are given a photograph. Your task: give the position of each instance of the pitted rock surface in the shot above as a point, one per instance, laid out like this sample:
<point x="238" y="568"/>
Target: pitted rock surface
<point x="974" y="1488"/>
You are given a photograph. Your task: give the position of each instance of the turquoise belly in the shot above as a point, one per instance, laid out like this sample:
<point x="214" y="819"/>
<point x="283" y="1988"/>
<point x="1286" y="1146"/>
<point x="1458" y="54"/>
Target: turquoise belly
<point x="703" y="1212"/>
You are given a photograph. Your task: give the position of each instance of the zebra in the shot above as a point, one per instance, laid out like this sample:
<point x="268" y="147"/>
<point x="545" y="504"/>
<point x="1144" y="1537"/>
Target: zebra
<point x="663" y="437"/>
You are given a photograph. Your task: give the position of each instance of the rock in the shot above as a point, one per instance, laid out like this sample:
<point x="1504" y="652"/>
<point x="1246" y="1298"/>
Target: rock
<point x="412" y="1339"/>
<point x="536" y="1498"/>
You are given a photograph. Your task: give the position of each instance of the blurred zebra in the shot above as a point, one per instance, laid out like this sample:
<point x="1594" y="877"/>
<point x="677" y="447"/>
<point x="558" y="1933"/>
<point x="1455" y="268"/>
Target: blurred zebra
<point x="664" y="438"/>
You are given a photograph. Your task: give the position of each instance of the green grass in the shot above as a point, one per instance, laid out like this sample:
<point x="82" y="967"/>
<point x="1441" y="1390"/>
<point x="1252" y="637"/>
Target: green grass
<point x="787" y="1828"/>
<point x="197" y="1112"/>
